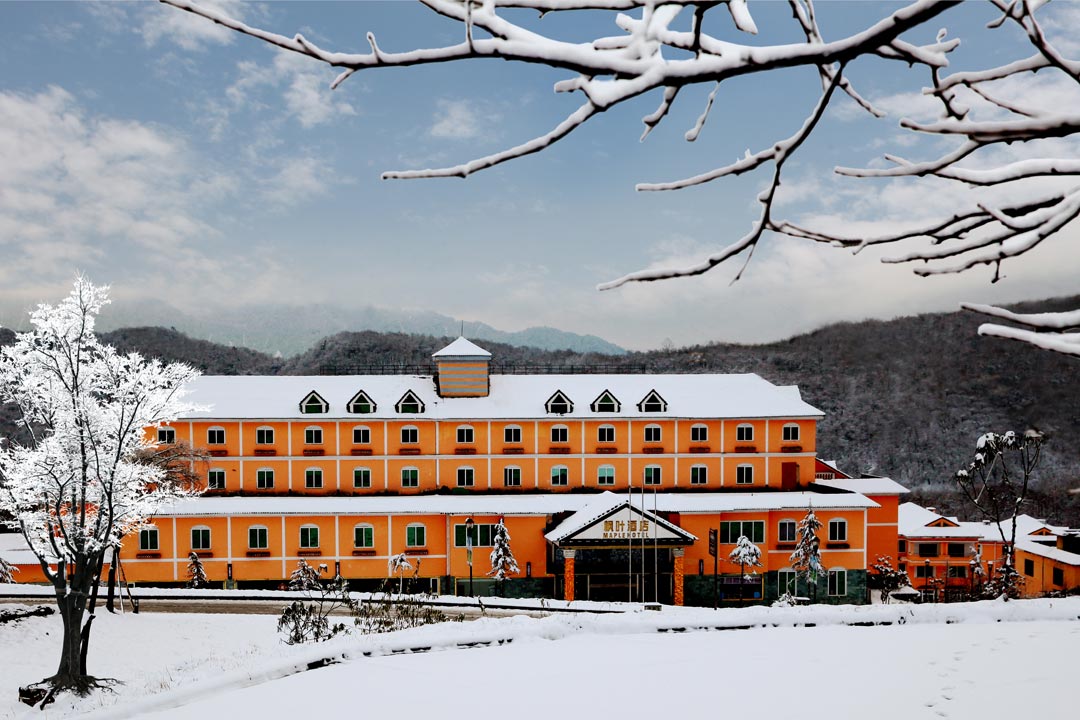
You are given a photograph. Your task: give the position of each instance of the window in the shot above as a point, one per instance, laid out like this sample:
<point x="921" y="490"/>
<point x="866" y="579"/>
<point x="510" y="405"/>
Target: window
<point x="465" y="477"/>
<point x="560" y="475"/>
<point x="837" y="583"/>
<point x="361" y="404"/>
<point x="264" y="436"/>
<point x="313" y="404"/>
<point x="924" y="571"/>
<point x="606" y="403"/>
<point x="313" y="478"/>
<point x="744" y="475"/>
<point x="409" y="404"/>
<point x="605" y="475"/>
<point x="699" y="475"/>
<point x="901" y="546"/>
<point x="926" y="550"/>
<point x="785" y="531"/>
<point x="559" y="404"/>
<point x="309" y="536"/>
<point x="361" y="477"/>
<point x="605" y="434"/>
<point x="957" y="571"/>
<point x="166" y="435"/>
<point x="415" y="536"/>
<point x="258" y="537"/>
<point x="957" y="550"/>
<point x="512" y="476"/>
<point x="361" y="435"/>
<point x="410" y="477"/>
<point x="785" y="582"/>
<point x="699" y="433"/>
<point x="264" y="479"/>
<point x="410" y="435"/>
<point x="652" y="433"/>
<point x="200" y="538"/>
<point x="652" y="474"/>
<point x="838" y="530"/>
<point x="482" y="535"/>
<point x="791" y="433"/>
<point x="560" y="434"/>
<point x="215" y="436"/>
<point x="465" y="434"/>
<point x="512" y="435"/>
<point x="1029" y="567"/>
<point x="148" y="539"/>
<point x="363" y="536"/>
<point x="215" y="479"/>
<point x="1058" y="576"/>
<point x="313" y="436"/>
<point x="744" y="433"/>
<point x="652" y="403"/>
<point x="754" y="530"/>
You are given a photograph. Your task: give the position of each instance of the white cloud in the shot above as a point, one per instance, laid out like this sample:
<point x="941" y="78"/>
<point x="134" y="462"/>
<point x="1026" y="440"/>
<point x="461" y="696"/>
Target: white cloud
<point x="157" y="23"/>
<point x="458" y="120"/>
<point x="297" y="180"/>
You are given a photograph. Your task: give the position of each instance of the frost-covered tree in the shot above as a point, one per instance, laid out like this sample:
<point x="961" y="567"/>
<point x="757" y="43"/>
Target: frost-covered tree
<point x="806" y="559"/>
<point x="305" y="577"/>
<point x="745" y="554"/>
<point x="996" y="482"/>
<point x="889" y="578"/>
<point x="1013" y="199"/>
<point x="502" y="558"/>
<point x="7" y="571"/>
<point x="196" y="572"/>
<point x="398" y="565"/>
<point x="74" y="487"/>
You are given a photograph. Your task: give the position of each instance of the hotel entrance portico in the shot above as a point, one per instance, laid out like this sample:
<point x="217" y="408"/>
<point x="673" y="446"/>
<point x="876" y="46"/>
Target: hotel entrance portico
<point x="614" y="549"/>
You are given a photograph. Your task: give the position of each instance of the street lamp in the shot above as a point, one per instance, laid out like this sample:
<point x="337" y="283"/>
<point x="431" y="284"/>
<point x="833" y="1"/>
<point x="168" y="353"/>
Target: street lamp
<point x="926" y="585"/>
<point x="468" y="551"/>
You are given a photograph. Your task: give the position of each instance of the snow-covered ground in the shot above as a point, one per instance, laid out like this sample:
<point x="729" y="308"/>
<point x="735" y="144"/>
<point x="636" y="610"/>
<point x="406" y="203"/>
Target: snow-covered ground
<point x="986" y="660"/>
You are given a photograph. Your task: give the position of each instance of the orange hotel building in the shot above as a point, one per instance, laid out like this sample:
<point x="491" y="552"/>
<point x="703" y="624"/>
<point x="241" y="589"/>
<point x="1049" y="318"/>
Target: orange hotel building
<point x="608" y="483"/>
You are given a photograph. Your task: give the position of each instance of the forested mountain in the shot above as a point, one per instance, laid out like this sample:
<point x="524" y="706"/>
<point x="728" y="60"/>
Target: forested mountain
<point x="905" y="398"/>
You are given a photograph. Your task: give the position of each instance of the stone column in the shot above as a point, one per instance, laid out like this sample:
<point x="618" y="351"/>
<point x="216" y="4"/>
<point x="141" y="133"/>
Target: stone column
<point x="568" y="574"/>
<point x="678" y="553"/>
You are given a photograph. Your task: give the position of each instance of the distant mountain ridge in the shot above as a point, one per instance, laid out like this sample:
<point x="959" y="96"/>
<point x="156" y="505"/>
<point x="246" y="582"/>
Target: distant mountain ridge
<point x="292" y="330"/>
<point x="905" y="398"/>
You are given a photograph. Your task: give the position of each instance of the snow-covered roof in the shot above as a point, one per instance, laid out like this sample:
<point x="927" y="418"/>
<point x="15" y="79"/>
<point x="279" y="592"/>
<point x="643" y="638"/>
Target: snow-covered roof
<point x="462" y="348"/>
<point x="1050" y="553"/>
<point x="1025" y="527"/>
<point x="604" y="504"/>
<point x="14" y="549"/>
<point x="865" y="485"/>
<point x="912" y="522"/>
<point x="270" y="397"/>
<point x="538" y="504"/>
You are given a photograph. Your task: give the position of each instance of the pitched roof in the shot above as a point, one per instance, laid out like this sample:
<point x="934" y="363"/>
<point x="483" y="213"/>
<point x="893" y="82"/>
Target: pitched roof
<point x="606" y="504"/>
<point x="913" y="522"/>
<point x="461" y="348"/>
<point x="268" y="397"/>
<point x="865" y="485"/>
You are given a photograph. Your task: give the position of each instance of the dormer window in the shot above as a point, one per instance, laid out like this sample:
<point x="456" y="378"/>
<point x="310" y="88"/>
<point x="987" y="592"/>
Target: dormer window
<point x="361" y="404"/>
<point x="409" y="404"/>
<point x="314" y="404"/>
<point x="559" y="404"/>
<point x="606" y="403"/>
<point x="652" y="403"/>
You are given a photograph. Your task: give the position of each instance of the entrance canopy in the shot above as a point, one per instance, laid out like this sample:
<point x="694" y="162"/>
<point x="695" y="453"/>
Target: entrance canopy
<point x="612" y="520"/>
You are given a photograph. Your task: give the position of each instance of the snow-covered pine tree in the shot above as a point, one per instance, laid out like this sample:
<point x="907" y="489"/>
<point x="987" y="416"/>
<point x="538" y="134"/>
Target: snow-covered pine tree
<point x="889" y="577"/>
<point x="7" y="571"/>
<point x="75" y="486"/>
<point x="745" y="554"/>
<point x="806" y="560"/>
<point x="196" y="572"/>
<point x="305" y="577"/>
<point x="502" y="558"/>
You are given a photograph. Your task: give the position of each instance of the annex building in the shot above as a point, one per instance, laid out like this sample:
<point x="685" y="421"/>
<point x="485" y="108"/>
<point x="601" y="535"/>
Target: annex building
<point x="608" y="484"/>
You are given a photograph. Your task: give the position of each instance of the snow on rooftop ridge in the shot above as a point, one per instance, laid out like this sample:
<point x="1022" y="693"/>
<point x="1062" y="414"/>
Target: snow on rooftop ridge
<point x="461" y="348"/>
<point x="871" y="485"/>
<point x="1045" y="551"/>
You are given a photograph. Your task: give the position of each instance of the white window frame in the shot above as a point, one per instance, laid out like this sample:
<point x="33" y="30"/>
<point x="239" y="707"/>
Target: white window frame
<point x="363" y="526"/>
<point x="564" y="475"/>
<point x="145" y="534"/>
<point x="604" y="479"/>
<point x="656" y="431"/>
<point x="266" y="533"/>
<point x="415" y="432"/>
<point x="508" y="480"/>
<point x="311" y="475"/>
<point x="605" y="430"/>
<point x="833" y="586"/>
<point x="215" y="471"/>
<point x="699" y="474"/>
<point x="465" y="435"/>
<point x="512" y="435"/>
<point x="790" y="432"/>
<point x="840" y="533"/>
<point x="699" y="433"/>
<point x="790" y="524"/>
<point x="744" y="474"/>
<point x="361" y="435"/>
<point x="416" y="482"/>
<point x="744" y="432"/>
<point x="261" y="431"/>
<point x="166" y="435"/>
<point x="652" y="476"/>
<point x="466" y="476"/>
<point x="423" y="532"/>
<point x="359" y="470"/>
<point x="318" y="537"/>
<point x="562" y="430"/>
<point x="210" y="432"/>
<point x="209" y="538"/>
<point x="313" y="435"/>
<point x="259" y="484"/>
<point x="787" y="587"/>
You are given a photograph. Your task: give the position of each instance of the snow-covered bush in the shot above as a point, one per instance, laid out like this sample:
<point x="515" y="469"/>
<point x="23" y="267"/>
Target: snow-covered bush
<point x="196" y="572"/>
<point x="7" y="571"/>
<point x="304" y="621"/>
<point x="306" y="577"/>
<point x="888" y="578"/>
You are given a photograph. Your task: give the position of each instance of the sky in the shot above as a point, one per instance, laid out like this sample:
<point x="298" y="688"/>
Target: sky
<point x="188" y="165"/>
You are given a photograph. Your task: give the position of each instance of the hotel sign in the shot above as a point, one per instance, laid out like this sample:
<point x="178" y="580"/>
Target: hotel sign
<point x="626" y="524"/>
